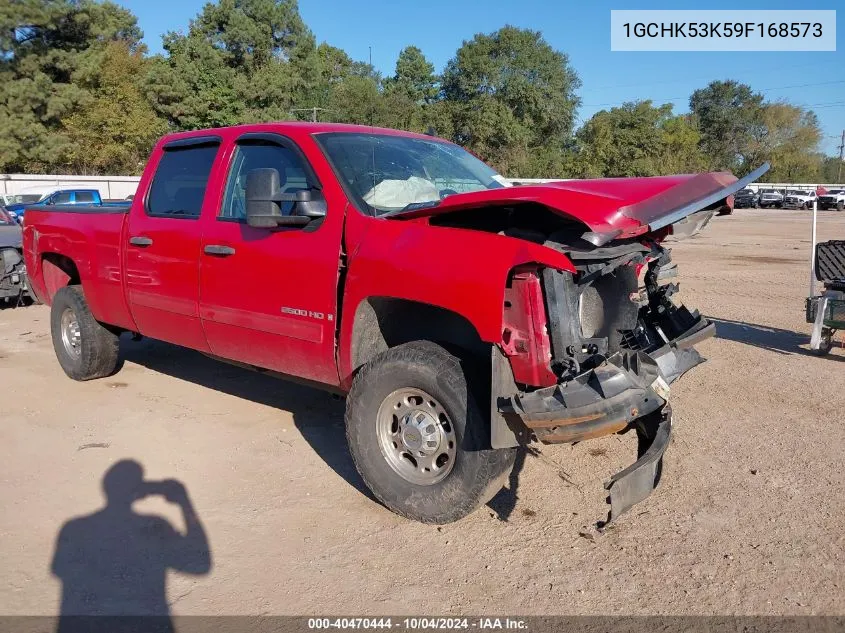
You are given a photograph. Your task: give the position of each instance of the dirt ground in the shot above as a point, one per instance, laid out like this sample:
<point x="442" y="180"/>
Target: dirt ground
<point x="748" y="518"/>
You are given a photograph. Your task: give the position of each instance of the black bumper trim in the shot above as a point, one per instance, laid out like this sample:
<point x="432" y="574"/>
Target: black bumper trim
<point x="636" y="482"/>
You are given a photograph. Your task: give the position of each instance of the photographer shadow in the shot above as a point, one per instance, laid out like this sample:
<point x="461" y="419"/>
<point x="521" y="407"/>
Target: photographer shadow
<point x="114" y="562"/>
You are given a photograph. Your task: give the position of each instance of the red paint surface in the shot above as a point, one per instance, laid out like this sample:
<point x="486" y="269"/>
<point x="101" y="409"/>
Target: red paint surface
<point x="238" y="307"/>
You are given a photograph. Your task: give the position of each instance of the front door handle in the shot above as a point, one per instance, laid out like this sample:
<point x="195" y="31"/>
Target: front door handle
<point x="140" y="240"/>
<point x="219" y="250"/>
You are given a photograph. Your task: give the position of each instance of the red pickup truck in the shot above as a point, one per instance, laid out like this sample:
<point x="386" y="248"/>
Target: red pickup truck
<point x="460" y="316"/>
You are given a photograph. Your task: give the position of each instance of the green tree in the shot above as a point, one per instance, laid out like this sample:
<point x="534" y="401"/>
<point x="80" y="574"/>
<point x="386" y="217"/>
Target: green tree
<point x="514" y="94"/>
<point x="788" y="138"/>
<point x="49" y="51"/>
<point x="832" y="170"/>
<point x="414" y="77"/>
<point x="114" y="130"/>
<point x="241" y="61"/>
<point x="638" y="139"/>
<point x="728" y="115"/>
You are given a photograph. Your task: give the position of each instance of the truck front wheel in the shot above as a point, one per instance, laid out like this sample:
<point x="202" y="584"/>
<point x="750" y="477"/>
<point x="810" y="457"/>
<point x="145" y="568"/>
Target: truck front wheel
<point x="85" y="349"/>
<point x="418" y="438"/>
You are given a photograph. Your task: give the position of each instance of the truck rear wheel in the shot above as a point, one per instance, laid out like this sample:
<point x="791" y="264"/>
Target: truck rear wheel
<point x="418" y="438"/>
<point x="85" y="349"/>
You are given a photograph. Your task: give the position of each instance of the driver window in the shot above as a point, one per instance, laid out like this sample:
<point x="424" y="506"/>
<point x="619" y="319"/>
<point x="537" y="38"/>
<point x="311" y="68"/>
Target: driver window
<point x="250" y="156"/>
<point x="60" y="198"/>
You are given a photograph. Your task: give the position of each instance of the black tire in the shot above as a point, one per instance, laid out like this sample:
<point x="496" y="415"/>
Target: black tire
<point x="840" y="205"/>
<point x="478" y="472"/>
<point x="98" y="347"/>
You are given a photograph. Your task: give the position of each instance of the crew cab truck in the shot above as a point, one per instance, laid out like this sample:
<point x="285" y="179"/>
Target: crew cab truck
<point x="460" y="317"/>
<point x="833" y="199"/>
<point x="799" y="199"/>
<point x="60" y="197"/>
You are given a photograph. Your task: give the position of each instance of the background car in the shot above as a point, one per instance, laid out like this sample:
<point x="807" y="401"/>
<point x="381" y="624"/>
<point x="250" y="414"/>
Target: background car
<point x="746" y="198"/>
<point x="13" y="284"/>
<point x="799" y="199"/>
<point x="833" y="199"/>
<point x="770" y="198"/>
<point x="60" y="196"/>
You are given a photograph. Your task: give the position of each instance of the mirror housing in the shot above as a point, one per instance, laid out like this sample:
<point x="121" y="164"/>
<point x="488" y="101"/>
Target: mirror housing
<point x="264" y="198"/>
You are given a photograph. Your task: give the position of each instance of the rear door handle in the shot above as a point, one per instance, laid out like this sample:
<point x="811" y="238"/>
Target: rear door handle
<point x="219" y="250"/>
<point x="140" y="240"/>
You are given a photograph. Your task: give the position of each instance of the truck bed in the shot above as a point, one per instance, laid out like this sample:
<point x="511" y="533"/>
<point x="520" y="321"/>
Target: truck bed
<point x="91" y="236"/>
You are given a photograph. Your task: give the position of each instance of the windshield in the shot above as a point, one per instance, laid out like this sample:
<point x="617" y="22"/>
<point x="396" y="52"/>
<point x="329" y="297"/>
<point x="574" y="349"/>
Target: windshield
<point x="745" y="192"/>
<point x="393" y="173"/>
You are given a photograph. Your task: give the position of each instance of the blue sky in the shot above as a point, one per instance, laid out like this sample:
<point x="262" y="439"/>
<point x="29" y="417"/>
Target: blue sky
<point x="580" y="29"/>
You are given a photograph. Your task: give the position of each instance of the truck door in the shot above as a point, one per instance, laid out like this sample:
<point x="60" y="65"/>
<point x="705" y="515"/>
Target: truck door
<point x="268" y="297"/>
<point x="163" y="244"/>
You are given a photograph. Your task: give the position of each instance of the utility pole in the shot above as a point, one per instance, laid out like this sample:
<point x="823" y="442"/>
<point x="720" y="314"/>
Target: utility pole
<point x="314" y="110"/>
<point x="841" y="155"/>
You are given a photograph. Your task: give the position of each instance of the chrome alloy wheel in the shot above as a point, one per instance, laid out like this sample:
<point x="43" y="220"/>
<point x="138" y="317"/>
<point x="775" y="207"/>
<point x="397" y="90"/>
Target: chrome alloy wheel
<point x="416" y="436"/>
<point x="71" y="335"/>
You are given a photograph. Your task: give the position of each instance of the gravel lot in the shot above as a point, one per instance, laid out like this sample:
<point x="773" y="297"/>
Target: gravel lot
<point x="748" y="518"/>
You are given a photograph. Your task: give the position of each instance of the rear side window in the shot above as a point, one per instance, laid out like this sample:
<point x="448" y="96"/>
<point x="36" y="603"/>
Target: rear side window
<point x="180" y="180"/>
<point x="84" y="197"/>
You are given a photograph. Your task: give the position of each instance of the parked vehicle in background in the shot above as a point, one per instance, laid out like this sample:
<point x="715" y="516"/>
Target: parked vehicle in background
<point x="459" y="325"/>
<point x="60" y="196"/>
<point x="746" y="199"/>
<point x="12" y="269"/>
<point x="770" y="198"/>
<point x="8" y="199"/>
<point x="833" y="199"/>
<point x="799" y="199"/>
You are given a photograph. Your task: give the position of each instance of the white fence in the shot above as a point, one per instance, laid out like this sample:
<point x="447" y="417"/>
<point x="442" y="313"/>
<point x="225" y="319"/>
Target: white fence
<point x="119" y="187"/>
<point x="110" y="187"/>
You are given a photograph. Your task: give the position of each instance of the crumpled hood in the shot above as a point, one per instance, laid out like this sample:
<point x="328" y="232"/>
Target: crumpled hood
<point x="623" y="207"/>
<point x="10" y="235"/>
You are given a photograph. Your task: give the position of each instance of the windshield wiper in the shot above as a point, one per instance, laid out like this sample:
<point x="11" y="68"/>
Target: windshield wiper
<point x="411" y="207"/>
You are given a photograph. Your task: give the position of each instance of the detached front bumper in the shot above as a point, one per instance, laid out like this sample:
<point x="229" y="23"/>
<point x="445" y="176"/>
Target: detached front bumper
<point x="629" y="390"/>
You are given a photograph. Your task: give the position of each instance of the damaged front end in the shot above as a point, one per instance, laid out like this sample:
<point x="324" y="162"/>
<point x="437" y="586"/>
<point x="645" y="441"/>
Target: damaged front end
<point x="615" y="345"/>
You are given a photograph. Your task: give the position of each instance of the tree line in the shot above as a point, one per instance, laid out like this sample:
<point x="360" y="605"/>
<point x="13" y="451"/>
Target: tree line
<point x="79" y="94"/>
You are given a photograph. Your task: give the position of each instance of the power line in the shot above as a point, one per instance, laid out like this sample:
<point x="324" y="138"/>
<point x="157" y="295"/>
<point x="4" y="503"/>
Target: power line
<point x="687" y="78"/>
<point x="665" y="99"/>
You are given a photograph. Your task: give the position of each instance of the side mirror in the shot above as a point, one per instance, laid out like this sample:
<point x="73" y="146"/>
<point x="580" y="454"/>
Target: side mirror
<point x="264" y="198"/>
<point x="262" y="192"/>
